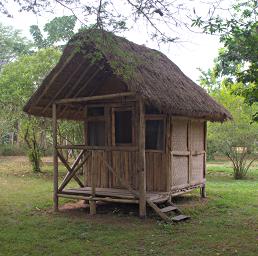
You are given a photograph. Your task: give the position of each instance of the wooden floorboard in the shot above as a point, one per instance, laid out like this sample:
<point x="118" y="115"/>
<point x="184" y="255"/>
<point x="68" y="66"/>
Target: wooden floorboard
<point x="115" y="193"/>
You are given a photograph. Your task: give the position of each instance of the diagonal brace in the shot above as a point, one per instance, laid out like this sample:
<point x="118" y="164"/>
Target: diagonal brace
<point x="69" y="169"/>
<point x="73" y="172"/>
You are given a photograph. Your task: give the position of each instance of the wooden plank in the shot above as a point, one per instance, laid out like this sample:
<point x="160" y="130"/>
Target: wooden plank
<point x="69" y="169"/>
<point x="121" y="180"/>
<point x="71" y="174"/>
<point x="141" y="160"/>
<point x="180" y="153"/>
<point x="91" y="98"/>
<point x="55" y="157"/>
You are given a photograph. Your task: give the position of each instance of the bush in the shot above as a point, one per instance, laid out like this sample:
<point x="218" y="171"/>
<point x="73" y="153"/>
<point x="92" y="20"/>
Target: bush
<point x="12" y="150"/>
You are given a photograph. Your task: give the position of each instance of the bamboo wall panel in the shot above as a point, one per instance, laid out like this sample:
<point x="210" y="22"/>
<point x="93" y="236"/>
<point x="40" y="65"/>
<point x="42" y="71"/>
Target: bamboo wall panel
<point x="197" y="145"/>
<point x="179" y="164"/>
<point x="179" y="135"/>
<point x="197" y="136"/>
<point x="197" y="169"/>
<point x="179" y="170"/>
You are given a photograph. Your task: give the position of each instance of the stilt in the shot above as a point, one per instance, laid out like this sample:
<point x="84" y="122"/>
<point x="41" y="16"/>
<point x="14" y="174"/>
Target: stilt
<point x="203" y="191"/>
<point x="92" y="207"/>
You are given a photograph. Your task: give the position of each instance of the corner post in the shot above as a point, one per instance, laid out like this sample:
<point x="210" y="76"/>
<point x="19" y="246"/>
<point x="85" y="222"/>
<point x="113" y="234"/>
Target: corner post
<point x="141" y="159"/>
<point x="202" y="189"/>
<point x="55" y="157"/>
<point x="93" y="185"/>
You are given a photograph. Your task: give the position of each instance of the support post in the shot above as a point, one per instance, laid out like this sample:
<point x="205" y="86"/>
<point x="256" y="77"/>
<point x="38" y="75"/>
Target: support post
<point x="141" y="160"/>
<point x="203" y="191"/>
<point x="55" y="157"/>
<point x="93" y="185"/>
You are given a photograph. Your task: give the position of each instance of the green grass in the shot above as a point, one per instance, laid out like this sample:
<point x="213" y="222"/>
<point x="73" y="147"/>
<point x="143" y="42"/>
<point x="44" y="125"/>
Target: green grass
<point x="226" y="223"/>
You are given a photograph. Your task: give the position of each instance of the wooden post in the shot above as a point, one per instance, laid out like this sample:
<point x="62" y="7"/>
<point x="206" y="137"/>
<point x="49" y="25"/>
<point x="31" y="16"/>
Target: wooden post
<point x="202" y="189"/>
<point x="141" y="159"/>
<point x="189" y="135"/>
<point x="55" y="157"/>
<point x="93" y="185"/>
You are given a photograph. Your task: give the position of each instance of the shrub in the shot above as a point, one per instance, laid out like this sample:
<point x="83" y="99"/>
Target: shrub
<point x="12" y="150"/>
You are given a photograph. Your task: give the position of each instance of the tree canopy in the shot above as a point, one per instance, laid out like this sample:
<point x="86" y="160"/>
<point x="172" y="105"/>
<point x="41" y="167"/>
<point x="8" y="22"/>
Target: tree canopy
<point x="236" y="63"/>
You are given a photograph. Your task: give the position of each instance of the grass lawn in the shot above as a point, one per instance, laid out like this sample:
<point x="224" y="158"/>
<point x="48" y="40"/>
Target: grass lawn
<point x="226" y="223"/>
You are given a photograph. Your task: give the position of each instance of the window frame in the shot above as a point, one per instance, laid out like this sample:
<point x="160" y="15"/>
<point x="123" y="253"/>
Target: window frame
<point x="157" y="117"/>
<point x="94" y="119"/>
<point x="113" y="126"/>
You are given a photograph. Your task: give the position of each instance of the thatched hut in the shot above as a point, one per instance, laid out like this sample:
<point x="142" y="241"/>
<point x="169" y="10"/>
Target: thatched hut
<point x="145" y="122"/>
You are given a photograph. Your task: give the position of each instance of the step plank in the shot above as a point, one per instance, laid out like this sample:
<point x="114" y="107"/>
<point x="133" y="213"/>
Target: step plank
<point x="180" y="217"/>
<point x="168" y="209"/>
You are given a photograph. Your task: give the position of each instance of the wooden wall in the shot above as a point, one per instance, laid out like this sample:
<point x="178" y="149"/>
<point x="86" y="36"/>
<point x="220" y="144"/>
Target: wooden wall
<point x="182" y="163"/>
<point x="125" y="164"/>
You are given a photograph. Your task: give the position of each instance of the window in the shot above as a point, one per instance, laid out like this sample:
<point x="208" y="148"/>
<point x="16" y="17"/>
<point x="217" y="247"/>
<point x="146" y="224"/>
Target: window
<point x="123" y="127"/>
<point x="95" y="111"/>
<point x="154" y="134"/>
<point x="95" y="126"/>
<point x="96" y="133"/>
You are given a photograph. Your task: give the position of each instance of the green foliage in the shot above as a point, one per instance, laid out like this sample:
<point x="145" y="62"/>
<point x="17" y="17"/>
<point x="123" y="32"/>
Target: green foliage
<point x="18" y="81"/>
<point x="59" y="31"/>
<point x="237" y="139"/>
<point x="237" y="60"/>
<point x="12" y="150"/>
<point x="12" y="44"/>
<point x="123" y="63"/>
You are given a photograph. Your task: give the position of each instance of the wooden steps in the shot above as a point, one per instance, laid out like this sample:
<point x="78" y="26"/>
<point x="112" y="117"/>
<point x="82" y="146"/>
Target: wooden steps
<point x="165" y="212"/>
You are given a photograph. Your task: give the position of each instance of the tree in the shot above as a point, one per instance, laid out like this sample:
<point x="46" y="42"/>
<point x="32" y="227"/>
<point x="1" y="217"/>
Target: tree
<point x="237" y="139"/>
<point x="12" y="44"/>
<point x="18" y="80"/>
<point x="163" y="19"/>
<point x="237" y="60"/>
<point x="59" y="31"/>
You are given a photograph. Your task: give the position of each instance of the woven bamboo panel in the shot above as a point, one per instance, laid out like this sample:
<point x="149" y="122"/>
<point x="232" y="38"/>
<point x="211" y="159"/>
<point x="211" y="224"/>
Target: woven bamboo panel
<point x="197" y="135"/>
<point x="197" y="168"/>
<point x="179" y="170"/>
<point x="179" y="135"/>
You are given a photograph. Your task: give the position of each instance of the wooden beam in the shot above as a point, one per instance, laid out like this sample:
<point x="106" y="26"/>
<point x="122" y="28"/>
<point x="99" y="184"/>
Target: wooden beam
<point x="69" y="169"/>
<point x="98" y="97"/>
<point x="65" y="84"/>
<point x="53" y="78"/>
<point x="71" y="174"/>
<point x="77" y="83"/>
<point x="141" y="159"/>
<point x="55" y="158"/>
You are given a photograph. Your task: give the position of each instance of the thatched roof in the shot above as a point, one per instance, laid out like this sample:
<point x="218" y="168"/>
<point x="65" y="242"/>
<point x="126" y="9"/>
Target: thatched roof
<point x="91" y="59"/>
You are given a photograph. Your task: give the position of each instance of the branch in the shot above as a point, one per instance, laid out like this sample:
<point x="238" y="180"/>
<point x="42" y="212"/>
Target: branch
<point x="71" y="10"/>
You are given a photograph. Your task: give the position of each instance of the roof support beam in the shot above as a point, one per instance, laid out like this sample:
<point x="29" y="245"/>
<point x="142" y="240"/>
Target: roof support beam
<point x="65" y="84"/>
<point x="83" y="87"/>
<point x="98" y="97"/>
<point x="54" y="77"/>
